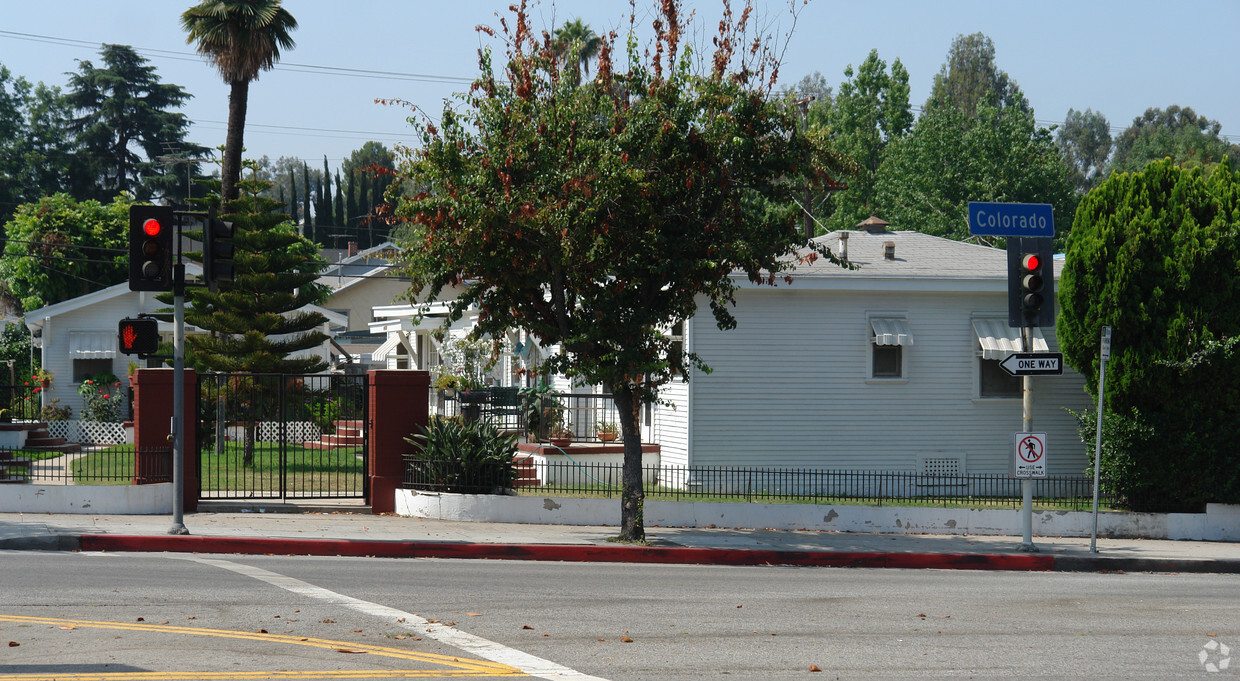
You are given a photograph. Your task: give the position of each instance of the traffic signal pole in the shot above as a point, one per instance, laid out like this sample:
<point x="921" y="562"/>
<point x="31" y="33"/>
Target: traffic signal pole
<point x="178" y="398"/>
<point x="1026" y="424"/>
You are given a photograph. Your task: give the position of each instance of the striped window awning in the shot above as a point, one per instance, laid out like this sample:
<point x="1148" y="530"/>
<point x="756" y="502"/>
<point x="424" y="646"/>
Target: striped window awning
<point x="891" y="331"/>
<point x="998" y="340"/>
<point x="92" y="344"/>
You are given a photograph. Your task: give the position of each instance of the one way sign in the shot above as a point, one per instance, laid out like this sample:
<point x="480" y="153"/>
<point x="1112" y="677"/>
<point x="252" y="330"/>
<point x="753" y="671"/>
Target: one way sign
<point x="1033" y="364"/>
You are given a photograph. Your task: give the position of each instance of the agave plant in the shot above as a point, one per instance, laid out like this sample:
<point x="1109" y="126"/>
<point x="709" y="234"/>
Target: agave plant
<point x="461" y="455"/>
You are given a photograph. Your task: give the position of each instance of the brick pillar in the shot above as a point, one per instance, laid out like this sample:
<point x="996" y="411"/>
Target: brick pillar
<point x="398" y="405"/>
<point x="152" y="426"/>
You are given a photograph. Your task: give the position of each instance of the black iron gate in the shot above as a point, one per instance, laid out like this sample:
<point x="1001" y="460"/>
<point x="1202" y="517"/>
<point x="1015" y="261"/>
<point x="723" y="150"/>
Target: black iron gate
<point x="282" y="436"/>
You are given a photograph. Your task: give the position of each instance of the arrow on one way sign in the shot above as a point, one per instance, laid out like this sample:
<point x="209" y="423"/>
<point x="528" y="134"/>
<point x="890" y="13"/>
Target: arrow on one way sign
<point x="1033" y="364"/>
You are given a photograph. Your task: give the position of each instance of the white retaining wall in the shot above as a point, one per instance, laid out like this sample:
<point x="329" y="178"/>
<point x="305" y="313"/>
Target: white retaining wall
<point x="154" y="499"/>
<point x="1219" y="522"/>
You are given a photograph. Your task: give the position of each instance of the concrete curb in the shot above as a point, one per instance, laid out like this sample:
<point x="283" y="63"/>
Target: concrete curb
<point x="617" y="554"/>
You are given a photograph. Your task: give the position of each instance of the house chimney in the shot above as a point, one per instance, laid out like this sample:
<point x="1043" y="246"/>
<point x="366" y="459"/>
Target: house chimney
<point x="352" y="249"/>
<point x="889" y="250"/>
<point x="843" y="245"/>
<point x="873" y="225"/>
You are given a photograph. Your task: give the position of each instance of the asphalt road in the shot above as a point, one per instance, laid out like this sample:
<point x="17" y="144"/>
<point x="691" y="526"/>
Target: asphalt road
<point x="165" y="616"/>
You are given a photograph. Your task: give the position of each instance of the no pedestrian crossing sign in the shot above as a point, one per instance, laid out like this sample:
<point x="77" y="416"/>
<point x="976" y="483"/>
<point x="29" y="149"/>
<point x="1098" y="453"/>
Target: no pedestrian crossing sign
<point x="1028" y="455"/>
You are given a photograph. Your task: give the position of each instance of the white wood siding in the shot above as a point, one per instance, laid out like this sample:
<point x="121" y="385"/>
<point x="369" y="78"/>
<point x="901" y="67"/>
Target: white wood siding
<point x="790" y="388"/>
<point x="104" y="317"/>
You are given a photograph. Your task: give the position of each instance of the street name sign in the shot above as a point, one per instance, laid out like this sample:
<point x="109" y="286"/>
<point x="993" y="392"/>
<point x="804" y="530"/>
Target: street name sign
<point x="1011" y="219"/>
<point x="1029" y="455"/>
<point x="1033" y="364"/>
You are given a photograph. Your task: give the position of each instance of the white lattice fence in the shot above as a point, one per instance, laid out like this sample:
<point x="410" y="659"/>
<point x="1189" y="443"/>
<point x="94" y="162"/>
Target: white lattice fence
<point x="295" y="431"/>
<point x="88" y="432"/>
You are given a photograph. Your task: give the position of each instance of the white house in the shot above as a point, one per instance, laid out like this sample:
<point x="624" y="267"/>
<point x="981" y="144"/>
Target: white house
<point x="893" y="366"/>
<point x="78" y="336"/>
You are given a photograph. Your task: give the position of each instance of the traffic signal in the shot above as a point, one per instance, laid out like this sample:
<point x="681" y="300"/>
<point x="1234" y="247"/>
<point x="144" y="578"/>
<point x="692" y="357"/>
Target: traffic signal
<point x="138" y="336"/>
<point x="151" y="231"/>
<point x="1031" y="282"/>
<point x="217" y="252"/>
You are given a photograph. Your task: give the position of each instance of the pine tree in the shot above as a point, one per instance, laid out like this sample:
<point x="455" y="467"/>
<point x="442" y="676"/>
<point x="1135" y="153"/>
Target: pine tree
<point x="258" y="319"/>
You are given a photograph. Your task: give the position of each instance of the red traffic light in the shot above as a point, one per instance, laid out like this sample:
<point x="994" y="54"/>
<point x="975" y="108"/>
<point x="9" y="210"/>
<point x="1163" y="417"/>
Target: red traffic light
<point x="152" y="227"/>
<point x="1030" y="262"/>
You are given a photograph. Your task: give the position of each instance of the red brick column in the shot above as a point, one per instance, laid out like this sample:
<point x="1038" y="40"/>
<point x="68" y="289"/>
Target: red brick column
<point x="152" y="425"/>
<point x="398" y="405"/>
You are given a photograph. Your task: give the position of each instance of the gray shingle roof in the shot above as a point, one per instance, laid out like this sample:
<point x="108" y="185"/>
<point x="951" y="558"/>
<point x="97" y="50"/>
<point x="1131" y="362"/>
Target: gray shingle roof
<point x="916" y="255"/>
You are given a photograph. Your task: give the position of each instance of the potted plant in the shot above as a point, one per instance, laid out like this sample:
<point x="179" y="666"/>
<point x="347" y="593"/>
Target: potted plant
<point x="43" y="376"/>
<point x="448" y="384"/>
<point x="607" y="431"/>
<point x="560" y="435"/>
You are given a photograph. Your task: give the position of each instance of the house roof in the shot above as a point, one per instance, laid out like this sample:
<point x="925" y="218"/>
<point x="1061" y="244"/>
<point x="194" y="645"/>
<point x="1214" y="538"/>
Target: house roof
<point x="35" y="318"/>
<point x="920" y="261"/>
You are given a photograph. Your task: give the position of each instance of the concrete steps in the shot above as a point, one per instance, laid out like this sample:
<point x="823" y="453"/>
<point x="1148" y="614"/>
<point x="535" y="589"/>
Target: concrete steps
<point x="527" y="475"/>
<point x="348" y="434"/>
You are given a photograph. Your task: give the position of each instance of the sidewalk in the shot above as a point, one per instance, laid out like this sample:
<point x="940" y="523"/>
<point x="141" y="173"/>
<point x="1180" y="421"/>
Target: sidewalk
<point x="321" y="530"/>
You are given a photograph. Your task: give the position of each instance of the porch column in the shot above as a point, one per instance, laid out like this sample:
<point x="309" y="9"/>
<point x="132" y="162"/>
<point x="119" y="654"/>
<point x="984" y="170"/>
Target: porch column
<point x="398" y="404"/>
<point x="152" y="428"/>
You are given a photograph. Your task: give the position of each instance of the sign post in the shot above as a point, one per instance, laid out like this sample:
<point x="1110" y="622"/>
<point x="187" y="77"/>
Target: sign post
<point x="1031" y="303"/>
<point x="1105" y="354"/>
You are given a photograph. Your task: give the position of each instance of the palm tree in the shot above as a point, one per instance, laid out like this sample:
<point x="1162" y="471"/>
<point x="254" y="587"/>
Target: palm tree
<point x="576" y="44"/>
<point x="242" y="37"/>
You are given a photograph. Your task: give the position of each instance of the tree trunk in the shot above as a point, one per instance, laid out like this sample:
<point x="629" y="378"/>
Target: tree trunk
<point x="230" y="172"/>
<point x="247" y="449"/>
<point x="632" y="498"/>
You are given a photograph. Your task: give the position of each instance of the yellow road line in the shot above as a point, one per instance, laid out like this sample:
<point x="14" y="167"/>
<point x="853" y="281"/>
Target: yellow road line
<point x="456" y="667"/>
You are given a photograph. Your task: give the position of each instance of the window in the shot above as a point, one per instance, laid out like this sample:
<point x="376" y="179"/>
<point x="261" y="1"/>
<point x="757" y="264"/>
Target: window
<point x="888" y="336"/>
<point x="993" y="381"/>
<point x="676" y="354"/>
<point x="886" y="362"/>
<point x="996" y="340"/>
<point x="85" y="368"/>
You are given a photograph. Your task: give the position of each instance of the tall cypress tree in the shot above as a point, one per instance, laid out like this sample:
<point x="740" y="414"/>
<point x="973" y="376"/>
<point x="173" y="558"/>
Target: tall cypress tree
<point x="339" y="203"/>
<point x="365" y="208"/>
<point x="325" y="197"/>
<point x="307" y="228"/>
<point x="292" y="202"/>
<point x="350" y="198"/>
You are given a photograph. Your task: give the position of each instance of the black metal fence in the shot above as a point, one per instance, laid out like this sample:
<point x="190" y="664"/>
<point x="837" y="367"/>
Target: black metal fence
<point x="799" y="486"/>
<point x="85" y="464"/>
<point x="20" y="402"/>
<point x="458" y="476"/>
<point x="282" y="436"/>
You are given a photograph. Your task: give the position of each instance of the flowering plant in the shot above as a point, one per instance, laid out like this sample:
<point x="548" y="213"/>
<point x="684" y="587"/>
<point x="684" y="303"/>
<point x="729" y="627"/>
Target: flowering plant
<point x="103" y="400"/>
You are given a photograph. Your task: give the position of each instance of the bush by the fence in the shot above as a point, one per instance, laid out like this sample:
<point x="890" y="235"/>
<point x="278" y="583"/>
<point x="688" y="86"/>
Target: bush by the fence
<point x="461" y="455"/>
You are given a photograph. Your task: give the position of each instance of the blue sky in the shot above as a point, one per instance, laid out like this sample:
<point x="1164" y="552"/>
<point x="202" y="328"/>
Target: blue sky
<point x="1117" y="57"/>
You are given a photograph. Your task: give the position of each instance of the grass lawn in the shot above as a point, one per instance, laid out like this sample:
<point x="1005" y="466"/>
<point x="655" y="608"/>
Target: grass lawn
<point x="308" y="471"/>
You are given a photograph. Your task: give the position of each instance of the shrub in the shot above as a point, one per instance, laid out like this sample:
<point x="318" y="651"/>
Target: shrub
<point x="104" y="399"/>
<point x="459" y="455"/>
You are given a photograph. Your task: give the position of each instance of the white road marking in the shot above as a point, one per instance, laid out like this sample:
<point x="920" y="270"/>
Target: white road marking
<point x="475" y="645"/>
